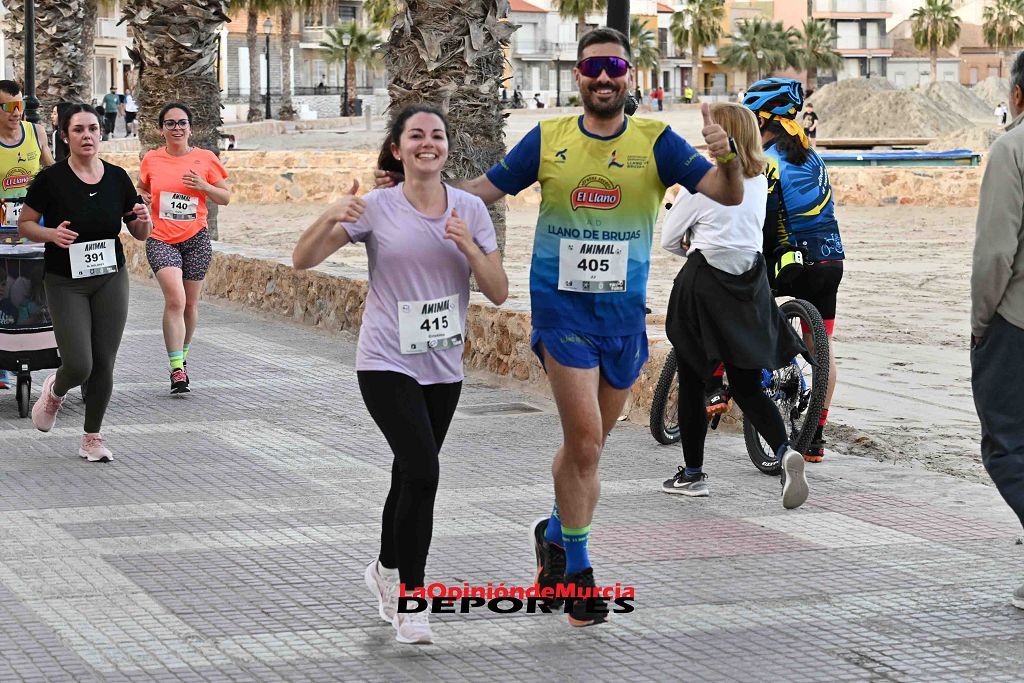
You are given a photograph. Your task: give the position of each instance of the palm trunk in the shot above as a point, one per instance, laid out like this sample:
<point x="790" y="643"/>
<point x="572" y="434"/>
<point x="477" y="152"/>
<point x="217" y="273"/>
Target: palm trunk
<point x="14" y="35"/>
<point x="287" y="111"/>
<point x="255" y="101"/>
<point x="934" y="60"/>
<point x="175" y="55"/>
<point x="59" y="55"/>
<point x="454" y="59"/>
<point x="581" y="27"/>
<point x="812" y="78"/>
<point x="697" y="86"/>
<point x="89" y="20"/>
<point x="350" y="91"/>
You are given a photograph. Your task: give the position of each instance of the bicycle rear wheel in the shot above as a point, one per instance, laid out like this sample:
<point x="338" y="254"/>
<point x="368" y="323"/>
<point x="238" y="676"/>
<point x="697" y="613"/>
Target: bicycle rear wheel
<point x="798" y="389"/>
<point x="665" y="403"/>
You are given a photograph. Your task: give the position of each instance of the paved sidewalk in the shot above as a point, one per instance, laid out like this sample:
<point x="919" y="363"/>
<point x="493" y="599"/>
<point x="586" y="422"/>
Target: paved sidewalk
<point x="228" y="539"/>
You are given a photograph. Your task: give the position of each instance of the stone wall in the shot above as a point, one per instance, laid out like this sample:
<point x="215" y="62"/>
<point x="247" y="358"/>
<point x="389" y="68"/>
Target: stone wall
<point x="271" y="177"/>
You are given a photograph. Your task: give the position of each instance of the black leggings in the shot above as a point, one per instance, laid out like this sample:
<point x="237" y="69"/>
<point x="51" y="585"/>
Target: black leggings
<point x="745" y="387"/>
<point x="414" y="419"/>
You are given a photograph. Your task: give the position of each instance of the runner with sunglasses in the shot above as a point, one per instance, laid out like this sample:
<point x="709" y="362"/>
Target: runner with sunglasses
<point x="23" y="151"/>
<point x="176" y="180"/>
<point x="603" y="177"/>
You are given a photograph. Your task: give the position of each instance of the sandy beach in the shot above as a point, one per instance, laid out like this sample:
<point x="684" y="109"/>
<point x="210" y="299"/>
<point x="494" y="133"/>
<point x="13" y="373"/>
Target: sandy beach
<point x="901" y="333"/>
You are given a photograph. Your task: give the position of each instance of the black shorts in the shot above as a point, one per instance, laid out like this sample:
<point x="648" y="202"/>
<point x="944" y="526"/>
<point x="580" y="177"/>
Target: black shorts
<point x="818" y="283"/>
<point x="811" y="133"/>
<point x="129" y="116"/>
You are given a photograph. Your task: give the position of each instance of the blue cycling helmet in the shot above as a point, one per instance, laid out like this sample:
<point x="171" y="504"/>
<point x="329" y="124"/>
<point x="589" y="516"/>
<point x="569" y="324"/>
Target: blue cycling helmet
<point x="782" y="97"/>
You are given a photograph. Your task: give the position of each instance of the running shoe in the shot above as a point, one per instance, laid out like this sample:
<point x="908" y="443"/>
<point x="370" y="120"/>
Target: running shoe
<point x="384" y="590"/>
<point x="44" y="412"/>
<point x="413" y="628"/>
<point x="586" y="611"/>
<point x="794" y="481"/>
<point x="550" y="560"/>
<point x="694" y="485"/>
<point x="93" y="449"/>
<point x="184" y="366"/>
<point x="816" y="451"/>
<point x="179" y="382"/>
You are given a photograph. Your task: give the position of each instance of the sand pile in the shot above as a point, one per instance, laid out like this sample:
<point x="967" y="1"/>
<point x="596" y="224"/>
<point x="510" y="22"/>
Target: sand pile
<point x="992" y="91"/>
<point x="977" y="138"/>
<point x="962" y="100"/>
<point x="871" y="108"/>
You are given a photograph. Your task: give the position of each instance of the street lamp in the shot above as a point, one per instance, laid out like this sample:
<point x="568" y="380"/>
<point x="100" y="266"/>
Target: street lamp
<point x="267" y="25"/>
<point x="760" y="56"/>
<point x="346" y="40"/>
<point x="31" y="102"/>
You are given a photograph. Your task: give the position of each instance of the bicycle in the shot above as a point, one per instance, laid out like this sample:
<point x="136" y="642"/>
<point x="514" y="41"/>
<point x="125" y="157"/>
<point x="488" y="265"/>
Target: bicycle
<point x="797" y="389"/>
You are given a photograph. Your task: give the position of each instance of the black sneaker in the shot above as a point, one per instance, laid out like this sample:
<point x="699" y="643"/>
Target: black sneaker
<point x="550" y="560"/>
<point x="179" y="382"/>
<point x="681" y="484"/>
<point x="816" y="451"/>
<point x="586" y="611"/>
<point x="184" y="366"/>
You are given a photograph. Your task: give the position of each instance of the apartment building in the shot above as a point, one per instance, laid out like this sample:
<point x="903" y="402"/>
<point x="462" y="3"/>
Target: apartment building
<point x="860" y="27"/>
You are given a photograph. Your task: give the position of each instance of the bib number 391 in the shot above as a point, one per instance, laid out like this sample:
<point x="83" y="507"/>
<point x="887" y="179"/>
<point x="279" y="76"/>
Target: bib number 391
<point x="434" y="325"/>
<point x="89" y="259"/>
<point x="592" y="266"/>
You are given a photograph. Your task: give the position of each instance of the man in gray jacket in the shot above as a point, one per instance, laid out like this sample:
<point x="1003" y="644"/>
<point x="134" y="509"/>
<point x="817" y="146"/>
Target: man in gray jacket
<point x="997" y="308"/>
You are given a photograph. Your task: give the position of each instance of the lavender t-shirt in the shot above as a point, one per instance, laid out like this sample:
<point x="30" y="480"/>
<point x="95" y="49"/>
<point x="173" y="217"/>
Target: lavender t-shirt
<point x="410" y="260"/>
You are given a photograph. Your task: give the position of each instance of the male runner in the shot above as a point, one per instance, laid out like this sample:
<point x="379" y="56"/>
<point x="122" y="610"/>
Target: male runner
<point x="23" y="150"/>
<point x="603" y="177"/>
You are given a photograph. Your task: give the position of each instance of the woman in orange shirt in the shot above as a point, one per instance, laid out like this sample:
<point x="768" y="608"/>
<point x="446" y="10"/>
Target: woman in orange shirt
<point x="176" y="181"/>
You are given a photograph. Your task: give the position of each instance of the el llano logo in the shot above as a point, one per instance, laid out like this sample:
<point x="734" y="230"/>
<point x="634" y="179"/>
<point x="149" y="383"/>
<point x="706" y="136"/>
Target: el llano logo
<point x="17" y="177"/>
<point x="596" y="192"/>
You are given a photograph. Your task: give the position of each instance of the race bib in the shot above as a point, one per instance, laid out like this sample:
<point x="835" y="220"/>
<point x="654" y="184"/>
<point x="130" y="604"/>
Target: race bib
<point x="175" y="206"/>
<point x="592" y="266"/>
<point x="11" y="211"/>
<point x="89" y="259"/>
<point x="434" y="325"/>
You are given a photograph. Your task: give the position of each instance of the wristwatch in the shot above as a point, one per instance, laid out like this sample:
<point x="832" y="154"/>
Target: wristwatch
<point x="731" y="155"/>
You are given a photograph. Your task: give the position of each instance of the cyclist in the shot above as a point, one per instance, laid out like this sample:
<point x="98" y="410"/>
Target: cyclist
<point x="180" y="178"/>
<point x="603" y="177"/>
<point x="801" y="235"/>
<point x="86" y="283"/>
<point x="23" y="151"/>
<point x="722" y="311"/>
<point x="423" y="238"/>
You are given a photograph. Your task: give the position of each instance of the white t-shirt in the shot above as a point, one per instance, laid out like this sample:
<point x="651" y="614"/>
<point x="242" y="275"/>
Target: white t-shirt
<point x="130" y="104"/>
<point x="715" y="226"/>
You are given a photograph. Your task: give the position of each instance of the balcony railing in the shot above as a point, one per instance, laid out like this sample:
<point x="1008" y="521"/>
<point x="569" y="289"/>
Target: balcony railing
<point x="543" y="48"/>
<point x="312" y="34"/>
<point x="864" y="43"/>
<point x="107" y="27"/>
<point x="853" y="6"/>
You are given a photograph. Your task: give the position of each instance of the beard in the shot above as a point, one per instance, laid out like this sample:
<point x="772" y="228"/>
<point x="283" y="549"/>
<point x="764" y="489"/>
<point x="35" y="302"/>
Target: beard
<point x="603" y="109"/>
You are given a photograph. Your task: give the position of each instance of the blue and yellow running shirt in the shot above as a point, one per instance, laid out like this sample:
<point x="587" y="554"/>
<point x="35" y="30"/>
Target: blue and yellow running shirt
<point x="599" y="202"/>
<point x="800" y="208"/>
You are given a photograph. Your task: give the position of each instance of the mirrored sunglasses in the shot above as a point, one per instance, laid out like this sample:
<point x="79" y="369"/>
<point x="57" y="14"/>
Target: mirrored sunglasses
<point x="615" y="67"/>
<point x="11" y="107"/>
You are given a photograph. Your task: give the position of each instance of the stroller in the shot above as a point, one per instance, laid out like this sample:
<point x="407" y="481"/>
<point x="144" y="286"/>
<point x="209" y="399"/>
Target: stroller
<point x="27" y="342"/>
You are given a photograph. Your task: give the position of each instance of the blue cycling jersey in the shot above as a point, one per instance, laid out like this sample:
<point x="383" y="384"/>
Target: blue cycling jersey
<point x="800" y="207"/>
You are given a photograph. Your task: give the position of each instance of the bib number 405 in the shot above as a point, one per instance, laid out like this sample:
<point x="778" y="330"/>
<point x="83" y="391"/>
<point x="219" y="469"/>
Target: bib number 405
<point x="594" y="265"/>
<point x="435" y="324"/>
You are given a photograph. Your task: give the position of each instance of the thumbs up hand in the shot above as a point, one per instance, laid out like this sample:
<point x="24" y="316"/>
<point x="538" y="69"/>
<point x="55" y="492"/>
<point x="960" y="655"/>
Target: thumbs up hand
<point x="457" y="231"/>
<point x="349" y="207"/>
<point x="714" y="135"/>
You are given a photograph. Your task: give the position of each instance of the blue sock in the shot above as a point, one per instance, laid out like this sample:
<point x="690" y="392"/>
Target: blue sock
<point x="553" y="534"/>
<point x="575" y="543"/>
<point x="782" y="450"/>
<point x="691" y="471"/>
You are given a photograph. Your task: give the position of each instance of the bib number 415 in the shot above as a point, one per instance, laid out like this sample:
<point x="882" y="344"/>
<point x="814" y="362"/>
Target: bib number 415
<point x="435" y="324"/>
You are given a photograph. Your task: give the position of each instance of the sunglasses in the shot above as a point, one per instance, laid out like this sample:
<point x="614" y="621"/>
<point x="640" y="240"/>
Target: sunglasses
<point x="615" y="67"/>
<point x="171" y="125"/>
<point x="11" y="107"/>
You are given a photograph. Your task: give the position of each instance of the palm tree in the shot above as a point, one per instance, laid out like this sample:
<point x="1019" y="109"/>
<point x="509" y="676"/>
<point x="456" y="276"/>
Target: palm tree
<point x="380" y="13"/>
<point x="253" y="9"/>
<point x="59" y="55"/>
<point x="643" y="44"/>
<point x="455" y="60"/>
<point x="578" y="10"/>
<point x="1001" y="26"/>
<point x="934" y="25"/>
<point x="699" y="23"/>
<point x="175" y="50"/>
<point x="287" y="8"/>
<point x="364" y="47"/>
<point x="815" y="49"/>
<point x="760" y="45"/>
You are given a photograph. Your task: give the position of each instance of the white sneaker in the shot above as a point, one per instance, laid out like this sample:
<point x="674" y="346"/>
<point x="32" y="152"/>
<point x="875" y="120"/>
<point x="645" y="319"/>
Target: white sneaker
<point x="794" y="481"/>
<point x="413" y="628"/>
<point x="93" y="449"/>
<point x="44" y="412"/>
<point x="384" y="589"/>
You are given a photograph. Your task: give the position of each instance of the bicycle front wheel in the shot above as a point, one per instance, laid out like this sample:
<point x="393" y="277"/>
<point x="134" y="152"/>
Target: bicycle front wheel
<point x="665" y="404"/>
<point x="798" y="389"/>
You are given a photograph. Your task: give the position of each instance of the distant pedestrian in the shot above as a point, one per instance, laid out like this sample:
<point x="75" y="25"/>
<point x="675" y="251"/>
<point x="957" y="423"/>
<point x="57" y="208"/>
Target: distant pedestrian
<point x="131" y="110"/>
<point x="538" y="101"/>
<point x="687" y="94"/>
<point x="810" y="123"/>
<point x="1000" y="113"/>
<point x="659" y="95"/>
<point x="997" y="309"/>
<point x="111" y="104"/>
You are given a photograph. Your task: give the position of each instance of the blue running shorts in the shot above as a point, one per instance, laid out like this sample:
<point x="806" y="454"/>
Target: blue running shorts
<point x="620" y="358"/>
